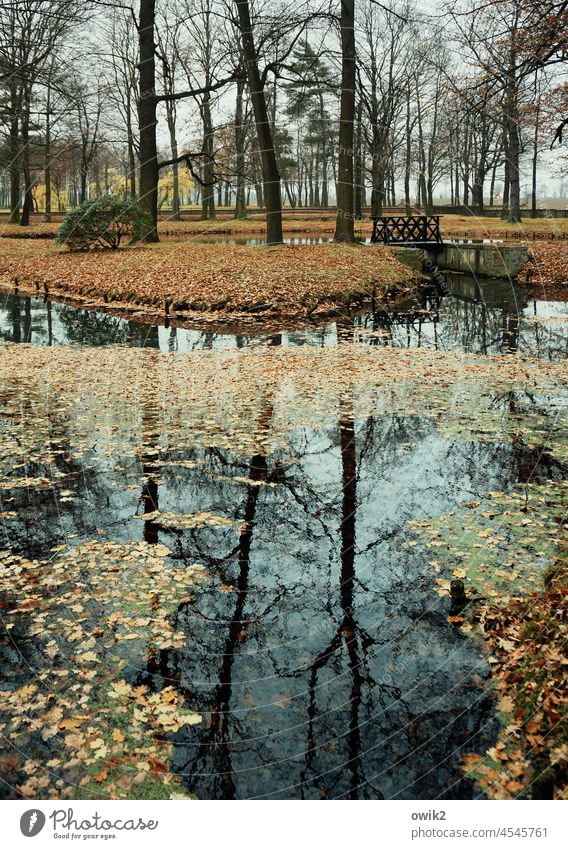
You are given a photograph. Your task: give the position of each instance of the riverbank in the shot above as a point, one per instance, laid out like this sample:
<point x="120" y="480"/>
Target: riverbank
<point x="527" y="640"/>
<point x="296" y="222"/>
<point x="517" y="606"/>
<point x="178" y="278"/>
<point x="546" y="273"/>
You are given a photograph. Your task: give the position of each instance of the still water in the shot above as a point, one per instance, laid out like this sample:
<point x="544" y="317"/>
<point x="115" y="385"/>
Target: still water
<point x="318" y="652"/>
<point x="481" y="317"/>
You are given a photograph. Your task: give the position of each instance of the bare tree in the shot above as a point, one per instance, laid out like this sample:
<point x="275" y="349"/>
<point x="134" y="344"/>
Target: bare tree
<point x="344" y="227"/>
<point x="270" y="173"/>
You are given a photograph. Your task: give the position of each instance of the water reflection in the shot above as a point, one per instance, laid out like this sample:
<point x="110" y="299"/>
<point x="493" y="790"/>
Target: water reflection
<point x="330" y="669"/>
<point x="318" y="651"/>
<point x="482" y="317"/>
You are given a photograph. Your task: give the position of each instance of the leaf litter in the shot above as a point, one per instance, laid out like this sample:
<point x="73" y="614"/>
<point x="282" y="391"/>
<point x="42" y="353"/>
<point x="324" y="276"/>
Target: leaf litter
<point x="110" y="738"/>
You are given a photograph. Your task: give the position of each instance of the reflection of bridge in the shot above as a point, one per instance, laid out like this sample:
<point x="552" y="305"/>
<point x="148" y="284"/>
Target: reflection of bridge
<point x="470" y="315"/>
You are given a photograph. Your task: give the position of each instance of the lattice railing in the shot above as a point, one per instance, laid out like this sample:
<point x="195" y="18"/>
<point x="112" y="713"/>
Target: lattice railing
<point x="406" y="229"/>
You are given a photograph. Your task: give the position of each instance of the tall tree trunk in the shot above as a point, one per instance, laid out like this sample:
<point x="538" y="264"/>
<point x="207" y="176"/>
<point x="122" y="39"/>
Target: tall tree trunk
<point x="14" y="153"/>
<point x="47" y="156"/>
<point x="514" y="172"/>
<point x="514" y="144"/>
<point x="344" y="227"/>
<point x="506" y="181"/>
<point x="147" y="120"/>
<point x="466" y="161"/>
<point x="130" y="145"/>
<point x="493" y="178"/>
<point x="479" y="179"/>
<point x="423" y="195"/>
<point x="377" y="181"/>
<point x="407" y="157"/>
<point x="26" y="166"/>
<point x="175" y="167"/>
<point x="208" y="199"/>
<point x="535" y="146"/>
<point x="457" y="173"/>
<point x="270" y="175"/>
<point x="324" y="186"/>
<point x="422" y="189"/>
<point x="83" y="174"/>
<point x="316" y="181"/>
<point x="358" y="189"/>
<point x="240" y="137"/>
<point x="431" y="152"/>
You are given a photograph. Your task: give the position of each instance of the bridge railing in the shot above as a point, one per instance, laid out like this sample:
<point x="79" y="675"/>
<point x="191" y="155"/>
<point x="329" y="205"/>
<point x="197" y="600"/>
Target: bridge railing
<point x="407" y="229"/>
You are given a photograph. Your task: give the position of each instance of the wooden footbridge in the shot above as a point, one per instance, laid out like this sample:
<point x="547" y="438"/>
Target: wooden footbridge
<point x="415" y="230"/>
<point x="420" y="245"/>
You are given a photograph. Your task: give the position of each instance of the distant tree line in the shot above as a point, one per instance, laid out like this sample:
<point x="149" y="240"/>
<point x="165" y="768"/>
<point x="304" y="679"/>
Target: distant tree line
<point x="305" y="103"/>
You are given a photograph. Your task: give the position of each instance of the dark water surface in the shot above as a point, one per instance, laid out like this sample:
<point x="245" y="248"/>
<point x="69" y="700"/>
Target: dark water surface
<point x="318" y="651"/>
<point x="481" y="317"/>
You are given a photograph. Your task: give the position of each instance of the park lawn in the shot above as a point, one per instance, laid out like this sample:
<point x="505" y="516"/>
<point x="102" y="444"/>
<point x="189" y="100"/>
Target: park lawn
<point x="295" y="222"/>
<point x="187" y="277"/>
<point x="35" y="229"/>
<point x="475" y="227"/>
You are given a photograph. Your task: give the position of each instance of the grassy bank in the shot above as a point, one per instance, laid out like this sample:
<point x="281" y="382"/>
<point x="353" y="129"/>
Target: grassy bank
<point x="298" y="223"/>
<point x="527" y="639"/>
<point x="470" y="226"/>
<point x="545" y="276"/>
<point x="223" y="225"/>
<point x="191" y="277"/>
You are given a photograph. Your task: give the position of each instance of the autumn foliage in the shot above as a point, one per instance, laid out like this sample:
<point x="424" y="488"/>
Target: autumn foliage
<point x="288" y="279"/>
<point x="527" y="640"/>
<point x="546" y="273"/>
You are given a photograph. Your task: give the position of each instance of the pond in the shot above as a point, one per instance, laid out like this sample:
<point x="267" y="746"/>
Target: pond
<point x="478" y="316"/>
<point x="316" y="646"/>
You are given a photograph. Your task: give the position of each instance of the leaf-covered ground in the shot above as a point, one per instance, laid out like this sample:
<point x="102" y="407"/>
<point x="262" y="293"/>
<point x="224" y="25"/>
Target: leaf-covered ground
<point x="545" y="275"/>
<point x="527" y="639"/>
<point x="296" y="223"/>
<point x="95" y="608"/>
<point x="481" y="227"/>
<point x="244" y="279"/>
<point x="284" y="280"/>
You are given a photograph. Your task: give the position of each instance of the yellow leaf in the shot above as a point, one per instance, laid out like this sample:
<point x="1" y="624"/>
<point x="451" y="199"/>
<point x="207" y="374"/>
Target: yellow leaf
<point x="89" y="656"/>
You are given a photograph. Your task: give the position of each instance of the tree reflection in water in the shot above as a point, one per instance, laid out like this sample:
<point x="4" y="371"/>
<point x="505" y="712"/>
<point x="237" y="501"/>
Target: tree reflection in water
<point x="320" y="654"/>
<point x="482" y="317"/>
